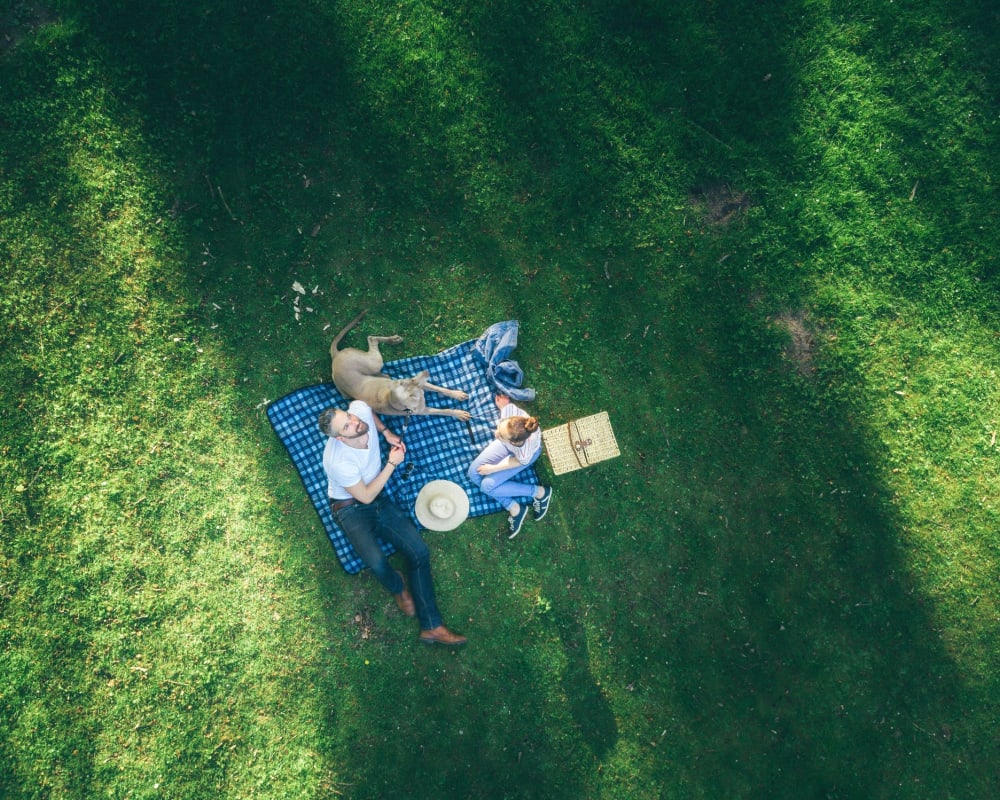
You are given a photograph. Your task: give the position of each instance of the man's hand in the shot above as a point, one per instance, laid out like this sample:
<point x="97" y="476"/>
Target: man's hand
<point x="391" y="437"/>
<point x="397" y="453"/>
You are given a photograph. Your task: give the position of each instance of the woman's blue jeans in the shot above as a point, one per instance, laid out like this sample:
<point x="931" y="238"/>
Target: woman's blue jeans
<point x="364" y="524"/>
<point x="499" y="485"/>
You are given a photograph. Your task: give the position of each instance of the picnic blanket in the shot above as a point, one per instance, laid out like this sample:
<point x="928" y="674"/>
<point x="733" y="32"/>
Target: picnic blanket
<point x="437" y="447"/>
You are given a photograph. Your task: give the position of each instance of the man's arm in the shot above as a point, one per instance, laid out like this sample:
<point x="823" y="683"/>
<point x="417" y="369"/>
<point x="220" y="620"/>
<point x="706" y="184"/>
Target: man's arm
<point x="387" y="434"/>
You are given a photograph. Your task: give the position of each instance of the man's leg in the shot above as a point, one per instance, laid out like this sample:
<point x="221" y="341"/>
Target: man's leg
<point x="396" y="527"/>
<point x="359" y="522"/>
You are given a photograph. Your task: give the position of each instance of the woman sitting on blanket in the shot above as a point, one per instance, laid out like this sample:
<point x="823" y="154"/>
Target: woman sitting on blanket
<point x="517" y="445"/>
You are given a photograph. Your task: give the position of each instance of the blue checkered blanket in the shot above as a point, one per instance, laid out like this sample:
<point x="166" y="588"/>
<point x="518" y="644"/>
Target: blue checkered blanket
<point x="437" y="447"/>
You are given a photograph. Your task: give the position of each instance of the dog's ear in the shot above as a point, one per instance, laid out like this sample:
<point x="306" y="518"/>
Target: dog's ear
<point x="416" y="382"/>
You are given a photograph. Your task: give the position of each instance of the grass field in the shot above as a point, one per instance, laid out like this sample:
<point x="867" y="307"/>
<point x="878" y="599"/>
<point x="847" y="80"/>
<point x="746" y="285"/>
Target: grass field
<point x="763" y="236"/>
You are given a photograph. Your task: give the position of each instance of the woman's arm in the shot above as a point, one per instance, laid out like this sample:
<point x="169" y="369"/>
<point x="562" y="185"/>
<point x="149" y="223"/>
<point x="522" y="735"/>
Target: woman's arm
<point x="508" y="463"/>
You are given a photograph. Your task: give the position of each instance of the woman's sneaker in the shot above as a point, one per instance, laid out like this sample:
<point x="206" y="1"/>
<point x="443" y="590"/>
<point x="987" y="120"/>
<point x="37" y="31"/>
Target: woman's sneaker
<point x="541" y="504"/>
<point x="516" y="522"/>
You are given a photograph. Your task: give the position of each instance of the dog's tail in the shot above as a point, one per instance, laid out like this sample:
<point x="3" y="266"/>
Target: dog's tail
<point x="343" y="333"/>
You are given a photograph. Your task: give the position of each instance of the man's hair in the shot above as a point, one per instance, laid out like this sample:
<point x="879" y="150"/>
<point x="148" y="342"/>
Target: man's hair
<point x="325" y="419"/>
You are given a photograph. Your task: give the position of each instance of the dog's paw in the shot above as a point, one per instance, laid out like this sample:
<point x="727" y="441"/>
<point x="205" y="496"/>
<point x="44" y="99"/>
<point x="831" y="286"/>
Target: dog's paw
<point x="465" y="416"/>
<point x="394" y="339"/>
<point x="460" y="395"/>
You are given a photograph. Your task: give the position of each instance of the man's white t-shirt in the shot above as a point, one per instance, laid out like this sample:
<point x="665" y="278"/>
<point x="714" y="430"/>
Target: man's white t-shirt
<point x="345" y="465"/>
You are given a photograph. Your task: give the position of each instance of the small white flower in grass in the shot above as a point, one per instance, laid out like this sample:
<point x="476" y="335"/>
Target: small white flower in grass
<point x="298" y="287"/>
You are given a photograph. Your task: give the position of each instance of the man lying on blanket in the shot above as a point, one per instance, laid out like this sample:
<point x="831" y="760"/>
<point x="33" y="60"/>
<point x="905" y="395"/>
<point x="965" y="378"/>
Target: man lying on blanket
<point x="353" y="464"/>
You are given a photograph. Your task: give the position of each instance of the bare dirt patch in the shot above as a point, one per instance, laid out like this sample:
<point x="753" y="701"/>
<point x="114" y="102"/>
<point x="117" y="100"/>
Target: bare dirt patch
<point x="718" y="203"/>
<point x="801" y="346"/>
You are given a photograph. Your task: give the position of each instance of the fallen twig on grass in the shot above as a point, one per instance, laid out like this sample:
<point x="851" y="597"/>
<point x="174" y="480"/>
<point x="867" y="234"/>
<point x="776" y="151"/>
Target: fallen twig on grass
<point x="225" y="205"/>
<point x="710" y="135"/>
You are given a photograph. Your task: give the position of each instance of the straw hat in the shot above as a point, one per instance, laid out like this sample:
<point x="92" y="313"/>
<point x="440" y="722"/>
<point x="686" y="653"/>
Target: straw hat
<point x="442" y="506"/>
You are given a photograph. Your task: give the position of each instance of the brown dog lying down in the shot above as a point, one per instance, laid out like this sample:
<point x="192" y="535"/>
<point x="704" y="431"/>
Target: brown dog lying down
<point x="358" y="375"/>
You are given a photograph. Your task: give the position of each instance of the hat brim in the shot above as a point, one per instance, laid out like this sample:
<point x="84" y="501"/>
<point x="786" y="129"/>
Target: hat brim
<point x="451" y="490"/>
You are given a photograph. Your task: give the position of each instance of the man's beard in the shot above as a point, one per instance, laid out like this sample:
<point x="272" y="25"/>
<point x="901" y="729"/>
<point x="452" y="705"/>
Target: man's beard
<point x="362" y="431"/>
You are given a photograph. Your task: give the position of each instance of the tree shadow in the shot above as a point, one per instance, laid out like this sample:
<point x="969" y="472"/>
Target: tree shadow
<point x="803" y="653"/>
<point x="590" y="708"/>
<point x="692" y="78"/>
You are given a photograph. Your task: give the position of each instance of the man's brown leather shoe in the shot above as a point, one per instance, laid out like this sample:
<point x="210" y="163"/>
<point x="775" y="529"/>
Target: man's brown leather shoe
<point x="441" y="635"/>
<point x="405" y="600"/>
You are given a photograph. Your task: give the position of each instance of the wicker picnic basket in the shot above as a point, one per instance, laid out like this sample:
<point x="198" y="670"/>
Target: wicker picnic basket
<point x="580" y="443"/>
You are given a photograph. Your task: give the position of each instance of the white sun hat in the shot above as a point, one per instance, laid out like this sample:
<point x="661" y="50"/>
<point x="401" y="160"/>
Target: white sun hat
<point x="442" y="506"/>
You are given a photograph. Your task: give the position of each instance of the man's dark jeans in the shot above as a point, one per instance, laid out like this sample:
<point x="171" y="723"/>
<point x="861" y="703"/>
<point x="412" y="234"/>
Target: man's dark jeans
<point x="362" y="523"/>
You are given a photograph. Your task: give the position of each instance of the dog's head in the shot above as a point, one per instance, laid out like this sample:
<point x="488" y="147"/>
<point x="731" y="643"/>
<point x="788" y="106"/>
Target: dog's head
<point x="407" y="394"/>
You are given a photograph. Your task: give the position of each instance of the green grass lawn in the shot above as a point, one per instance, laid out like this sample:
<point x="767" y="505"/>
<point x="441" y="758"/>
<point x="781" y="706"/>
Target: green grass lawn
<point x="763" y="236"/>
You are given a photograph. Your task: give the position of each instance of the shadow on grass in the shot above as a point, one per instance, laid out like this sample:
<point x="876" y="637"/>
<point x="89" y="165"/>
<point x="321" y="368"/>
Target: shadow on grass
<point x="590" y="709"/>
<point x="578" y="87"/>
<point x="804" y="656"/>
